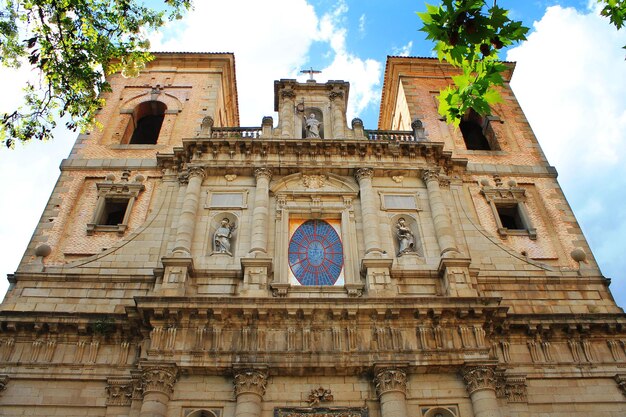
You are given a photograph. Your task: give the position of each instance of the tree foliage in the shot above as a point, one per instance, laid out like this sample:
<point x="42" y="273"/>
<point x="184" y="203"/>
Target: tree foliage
<point x="468" y="35"/>
<point x="72" y="45"/>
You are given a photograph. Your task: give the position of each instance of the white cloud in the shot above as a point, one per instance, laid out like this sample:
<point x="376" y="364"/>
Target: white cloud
<point x="270" y="45"/>
<point x="363" y="74"/>
<point x="362" y="24"/>
<point x="568" y="62"/>
<point x="404" y="50"/>
<point x="571" y="82"/>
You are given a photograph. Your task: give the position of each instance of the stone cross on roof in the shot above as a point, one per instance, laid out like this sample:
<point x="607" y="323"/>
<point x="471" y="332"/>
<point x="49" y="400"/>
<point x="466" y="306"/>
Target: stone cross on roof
<point x="310" y="72"/>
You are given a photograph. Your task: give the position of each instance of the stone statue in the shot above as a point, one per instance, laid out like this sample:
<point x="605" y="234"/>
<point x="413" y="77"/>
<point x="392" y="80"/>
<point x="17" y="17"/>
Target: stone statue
<point x="312" y="126"/>
<point x="221" y="239"/>
<point x="406" y="240"/>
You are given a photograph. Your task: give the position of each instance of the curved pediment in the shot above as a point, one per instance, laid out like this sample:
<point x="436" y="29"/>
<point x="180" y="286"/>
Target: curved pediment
<point x="307" y="184"/>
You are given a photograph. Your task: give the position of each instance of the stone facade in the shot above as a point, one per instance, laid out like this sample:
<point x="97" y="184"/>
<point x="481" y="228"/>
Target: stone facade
<point x="465" y="286"/>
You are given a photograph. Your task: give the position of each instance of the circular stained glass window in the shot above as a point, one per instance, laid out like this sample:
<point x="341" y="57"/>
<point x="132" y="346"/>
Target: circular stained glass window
<point x="315" y="253"/>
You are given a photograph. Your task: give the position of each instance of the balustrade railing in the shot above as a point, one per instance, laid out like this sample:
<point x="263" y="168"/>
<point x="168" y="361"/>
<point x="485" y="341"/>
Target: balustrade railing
<point x="255" y="132"/>
<point x="236" y="132"/>
<point x="395" y="135"/>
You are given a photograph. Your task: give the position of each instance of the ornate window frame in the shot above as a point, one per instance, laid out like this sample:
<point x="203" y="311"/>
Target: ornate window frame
<point x="316" y="197"/>
<point x="512" y="196"/>
<point x="110" y="191"/>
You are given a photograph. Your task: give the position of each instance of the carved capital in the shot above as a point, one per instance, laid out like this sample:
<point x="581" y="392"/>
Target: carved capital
<point x="620" y="379"/>
<point x="364" y="173"/>
<point x="390" y="379"/>
<point x="288" y="94"/>
<point x="196" y="171"/>
<point x="4" y="380"/>
<point x="159" y="379"/>
<point x="335" y="94"/>
<point x="263" y="173"/>
<point x="120" y="391"/>
<point x="479" y="377"/>
<point x="250" y="381"/>
<point x="430" y="175"/>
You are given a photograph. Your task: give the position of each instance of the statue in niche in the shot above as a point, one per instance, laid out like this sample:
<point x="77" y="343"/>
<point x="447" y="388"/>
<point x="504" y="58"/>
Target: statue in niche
<point x="406" y="240"/>
<point x="312" y="126"/>
<point x="222" y="237"/>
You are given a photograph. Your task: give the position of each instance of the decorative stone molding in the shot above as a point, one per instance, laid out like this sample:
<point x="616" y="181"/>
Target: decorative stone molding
<point x="263" y="173"/>
<point x="159" y="378"/>
<point x="390" y="379"/>
<point x="620" y="379"/>
<point x="364" y="173"/>
<point x="4" y="380"/>
<point x="120" y="391"/>
<point x="319" y="395"/>
<point x="250" y="381"/>
<point x="479" y="377"/>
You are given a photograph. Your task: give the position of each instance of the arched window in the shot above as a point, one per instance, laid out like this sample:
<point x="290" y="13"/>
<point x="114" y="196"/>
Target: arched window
<point x="147" y="119"/>
<point x="477" y="133"/>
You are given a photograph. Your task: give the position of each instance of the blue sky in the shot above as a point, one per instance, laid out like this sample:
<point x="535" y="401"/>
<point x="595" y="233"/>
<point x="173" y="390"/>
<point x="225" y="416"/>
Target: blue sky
<point x="570" y="80"/>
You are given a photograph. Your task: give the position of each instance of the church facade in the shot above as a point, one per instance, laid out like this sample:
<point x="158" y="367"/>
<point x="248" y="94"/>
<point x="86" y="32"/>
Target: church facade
<point x="186" y="266"/>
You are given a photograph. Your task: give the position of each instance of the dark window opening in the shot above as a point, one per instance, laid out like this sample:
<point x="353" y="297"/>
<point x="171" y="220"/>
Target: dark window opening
<point x="113" y="212"/>
<point x="149" y="119"/>
<point x="510" y="217"/>
<point x="474" y="137"/>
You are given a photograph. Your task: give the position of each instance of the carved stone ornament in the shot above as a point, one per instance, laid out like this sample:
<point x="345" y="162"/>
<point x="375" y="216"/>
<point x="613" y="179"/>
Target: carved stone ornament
<point x="620" y="379"/>
<point x="159" y="378"/>
<point x="4" y="380"/>
<point x="120" y="391"/>
<point x="479" y="377"/>
<point x="230" y="177"/>
<point x="319" y="395"/>
<point x="313" y="181"/>
<point x="250" y="381"/>
<point x="391" y="379"/>
<point x="363" y="173"/>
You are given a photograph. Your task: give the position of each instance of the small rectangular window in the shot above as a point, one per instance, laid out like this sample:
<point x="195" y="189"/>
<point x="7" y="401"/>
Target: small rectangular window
<point x="113" y="212"/>
<point x="510" y="217"/>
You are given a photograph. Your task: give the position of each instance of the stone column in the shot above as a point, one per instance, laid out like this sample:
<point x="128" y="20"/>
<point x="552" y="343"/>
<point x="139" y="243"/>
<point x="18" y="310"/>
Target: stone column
<point x="376" y="264"/>
<point x="260" y="212"/>
<point x="480" y="382"/>
<point x="158" y="385"/>
<point x="364" y="177"/>
<point x="286" y="112"/>
<point x="187" y="219"/>
<point x="443" y="225"/>
<point x="249" y="390"/>
<point x="336" y="105"/>
<point x="391" y="389"/>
